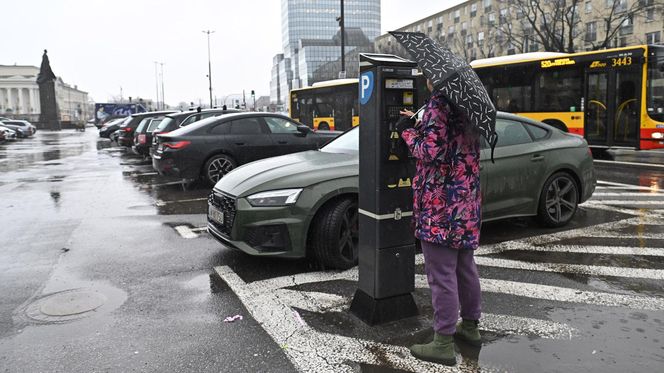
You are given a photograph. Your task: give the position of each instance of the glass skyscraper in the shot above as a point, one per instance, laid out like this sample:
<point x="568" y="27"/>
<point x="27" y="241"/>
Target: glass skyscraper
<point x="311" y="42"/>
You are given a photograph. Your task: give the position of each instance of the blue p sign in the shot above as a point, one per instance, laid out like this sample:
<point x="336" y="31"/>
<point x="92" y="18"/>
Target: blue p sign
<point x="366" y="86"/>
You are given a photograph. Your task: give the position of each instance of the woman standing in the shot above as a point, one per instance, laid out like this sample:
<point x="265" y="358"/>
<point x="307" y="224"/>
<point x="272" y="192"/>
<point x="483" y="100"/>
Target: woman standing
<point x="447" y="214"/>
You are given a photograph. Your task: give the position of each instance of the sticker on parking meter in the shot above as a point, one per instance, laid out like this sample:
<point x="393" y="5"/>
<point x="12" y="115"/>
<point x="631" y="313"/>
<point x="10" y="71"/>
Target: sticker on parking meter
<point x="366" y="86"/>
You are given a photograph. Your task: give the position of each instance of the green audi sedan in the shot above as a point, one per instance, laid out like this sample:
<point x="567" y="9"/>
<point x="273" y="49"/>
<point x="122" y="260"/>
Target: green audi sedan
<point x="305" y="204"/>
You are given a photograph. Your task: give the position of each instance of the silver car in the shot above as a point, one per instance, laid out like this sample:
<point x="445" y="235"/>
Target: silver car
<point x="23" y="128"/>
<point x="10" y="134"/>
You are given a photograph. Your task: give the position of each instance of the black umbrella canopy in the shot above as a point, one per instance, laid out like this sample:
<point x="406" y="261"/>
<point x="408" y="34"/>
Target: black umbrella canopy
<point x="455" y="79"/>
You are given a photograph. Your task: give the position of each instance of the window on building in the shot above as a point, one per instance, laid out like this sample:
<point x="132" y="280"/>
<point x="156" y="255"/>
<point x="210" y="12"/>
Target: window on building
<point x="430" y="25"/>
<point x="457" y="16"/>
<point x="620" y="5"/>
<point x="469" y="41"/>
<point x="492" y="19"/>
<point x="650" y="14"/>
<point x="627" y="26"/>
<point x="473" y="10"/>
<point x="589" y="7"/>
<point x="503" y="16"/>
<point x="591" y="31"/>
<point x="464" y="26"/>
<point x="480" y="39"/>
<point x="511" y="48"/>
<point x="487" y="5"/>
<point x="450" y="30"/>
<point x="654" y="37"/>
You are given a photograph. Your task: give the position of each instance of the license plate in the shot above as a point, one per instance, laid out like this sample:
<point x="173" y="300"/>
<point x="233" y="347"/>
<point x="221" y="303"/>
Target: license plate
<point x="216" y="215"/>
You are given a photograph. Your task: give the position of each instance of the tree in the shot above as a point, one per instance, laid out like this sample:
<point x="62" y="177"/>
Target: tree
<point x="556" y="24"/>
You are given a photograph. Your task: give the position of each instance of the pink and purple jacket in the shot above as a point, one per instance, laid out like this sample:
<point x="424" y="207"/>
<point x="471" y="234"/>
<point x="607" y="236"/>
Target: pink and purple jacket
<point x="447" y="202"/>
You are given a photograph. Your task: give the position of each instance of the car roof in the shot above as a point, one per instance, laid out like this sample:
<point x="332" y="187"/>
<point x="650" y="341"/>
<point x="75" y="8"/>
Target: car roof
<point x="506" y="115"/>
<point x="254" y="114"/>
<point x="152" y="113"/>
<point x="179" y="114"/>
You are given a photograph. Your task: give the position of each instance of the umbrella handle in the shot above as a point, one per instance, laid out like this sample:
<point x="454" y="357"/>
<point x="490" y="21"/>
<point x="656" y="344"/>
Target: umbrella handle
<point x="418" y="111"/>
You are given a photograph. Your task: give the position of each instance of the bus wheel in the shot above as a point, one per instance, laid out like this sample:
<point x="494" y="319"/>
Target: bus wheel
<point x="556" y="123"/>
<point x="323" y="126"/>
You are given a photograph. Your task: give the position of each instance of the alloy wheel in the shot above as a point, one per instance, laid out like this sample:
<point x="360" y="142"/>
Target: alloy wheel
<point x="218" y="168"/>
<point x="561" y="199"/>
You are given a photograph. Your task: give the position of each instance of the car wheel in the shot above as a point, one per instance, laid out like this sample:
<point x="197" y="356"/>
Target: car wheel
<point x="323" y="126"/>
<point x="218" y="166"/>
<point x="558" y="201"/>
<point x="334" y="238"/>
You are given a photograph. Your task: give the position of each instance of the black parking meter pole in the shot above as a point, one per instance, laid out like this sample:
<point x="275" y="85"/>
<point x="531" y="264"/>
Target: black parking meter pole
<point x="387" y="246"/>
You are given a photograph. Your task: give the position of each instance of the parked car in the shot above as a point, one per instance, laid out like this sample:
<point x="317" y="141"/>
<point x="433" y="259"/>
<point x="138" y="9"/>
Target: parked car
<point x="307" y="202"/>
<point x="23" y="128"/>
<point x="143" y="141"/>
<point x="111" y="126"/>
<point x="176" y="120"/>
<point x="9" y="134"/>
<point x="126" y="137"/>
<point x="212" y="147"/>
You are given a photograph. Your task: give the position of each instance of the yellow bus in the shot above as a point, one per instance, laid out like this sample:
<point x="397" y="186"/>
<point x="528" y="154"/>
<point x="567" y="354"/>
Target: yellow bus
<point x="614" y="97"/>
<point x="329" y="105"/>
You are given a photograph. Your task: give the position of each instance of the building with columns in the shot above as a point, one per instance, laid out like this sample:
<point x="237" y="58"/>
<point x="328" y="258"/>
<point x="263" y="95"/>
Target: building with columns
<point x="19" y="96"/>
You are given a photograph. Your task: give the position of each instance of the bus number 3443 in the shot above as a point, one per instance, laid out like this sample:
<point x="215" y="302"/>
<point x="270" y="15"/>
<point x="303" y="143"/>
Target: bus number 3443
<point x="625" y="61"/>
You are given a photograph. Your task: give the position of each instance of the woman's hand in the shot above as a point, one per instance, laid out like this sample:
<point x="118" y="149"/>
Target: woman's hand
<point x="406" y="113"/>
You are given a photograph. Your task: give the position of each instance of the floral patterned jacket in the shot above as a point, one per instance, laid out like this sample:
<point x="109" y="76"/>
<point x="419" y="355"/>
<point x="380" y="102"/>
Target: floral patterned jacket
<point x="446" y="187"/>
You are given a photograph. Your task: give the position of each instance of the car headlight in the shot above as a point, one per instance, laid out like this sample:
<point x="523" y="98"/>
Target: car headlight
<point x="274" y="198"/>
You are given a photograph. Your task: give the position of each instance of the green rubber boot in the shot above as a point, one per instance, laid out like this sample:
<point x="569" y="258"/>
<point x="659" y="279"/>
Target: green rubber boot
<point x="468" y="331"/>
<point x="440" y="350"/>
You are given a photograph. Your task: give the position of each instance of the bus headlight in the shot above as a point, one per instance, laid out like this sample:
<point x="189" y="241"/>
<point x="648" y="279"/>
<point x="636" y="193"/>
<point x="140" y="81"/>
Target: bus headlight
<point x="657" y="135"/>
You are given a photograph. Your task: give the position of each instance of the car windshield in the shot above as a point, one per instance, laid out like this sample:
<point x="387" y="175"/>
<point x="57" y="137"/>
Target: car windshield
<point x="164" y="123"/>
<point x="349" y="142"/>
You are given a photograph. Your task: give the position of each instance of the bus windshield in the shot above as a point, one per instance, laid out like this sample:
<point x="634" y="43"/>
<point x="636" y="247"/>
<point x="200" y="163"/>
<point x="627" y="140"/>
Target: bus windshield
<point x="655" y="88"/>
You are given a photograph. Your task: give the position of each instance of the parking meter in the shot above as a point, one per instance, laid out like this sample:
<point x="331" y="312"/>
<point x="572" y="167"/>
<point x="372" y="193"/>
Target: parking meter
<point x="387" y="85"/>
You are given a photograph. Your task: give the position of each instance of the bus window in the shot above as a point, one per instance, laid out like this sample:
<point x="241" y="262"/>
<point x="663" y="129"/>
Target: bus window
<point x="510" y="89"/>
<point x="655" y="87"/>
<point x="558" y="90"/>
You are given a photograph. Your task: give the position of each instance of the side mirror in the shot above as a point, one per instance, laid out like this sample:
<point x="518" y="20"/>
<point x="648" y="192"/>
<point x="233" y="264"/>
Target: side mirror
<point x="303" y="130"/>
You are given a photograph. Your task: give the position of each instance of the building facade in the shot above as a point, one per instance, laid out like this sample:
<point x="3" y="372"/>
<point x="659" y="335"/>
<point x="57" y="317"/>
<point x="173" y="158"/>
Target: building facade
<point x="311" y="40"/>
<point x="19" y="96"/>
<point x="478" y="29"/>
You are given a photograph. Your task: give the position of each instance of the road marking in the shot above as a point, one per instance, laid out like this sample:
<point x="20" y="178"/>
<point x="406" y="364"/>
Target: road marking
<point x="654" y="274"/>
<point x="562" y="294"/>
<point x="605" y="250"/>
<point x="621" y="202"/>
<point x="628" y="186"/>
<point x="185" y="231"/>
<point x="160" y="202"/>
<point x="629" y="163"/>
<point x="628" y="194"/>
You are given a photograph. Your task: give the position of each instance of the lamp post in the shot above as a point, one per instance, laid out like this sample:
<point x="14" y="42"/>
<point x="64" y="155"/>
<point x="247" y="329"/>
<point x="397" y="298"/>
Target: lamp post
<point x="163" y="101"/>
<point x="208" y="32"/>
<point x="342" y="73"/>
<point x="156" y="81"/>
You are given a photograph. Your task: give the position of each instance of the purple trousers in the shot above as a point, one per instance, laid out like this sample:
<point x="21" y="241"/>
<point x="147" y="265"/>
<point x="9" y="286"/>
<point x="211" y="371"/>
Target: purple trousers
<point x="454" y="282"/>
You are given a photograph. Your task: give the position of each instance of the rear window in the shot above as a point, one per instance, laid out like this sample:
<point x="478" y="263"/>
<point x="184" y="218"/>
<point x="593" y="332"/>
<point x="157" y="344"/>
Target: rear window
<point x="164" y="123"/>
<point x="142" y="125"/>
<point x="154" y="124"/>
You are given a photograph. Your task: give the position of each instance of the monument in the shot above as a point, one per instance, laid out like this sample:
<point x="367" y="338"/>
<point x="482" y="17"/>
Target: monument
<point x="48" y="117"/>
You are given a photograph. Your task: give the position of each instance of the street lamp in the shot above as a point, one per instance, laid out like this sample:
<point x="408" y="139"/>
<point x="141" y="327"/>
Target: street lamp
<point x="156" y="81"/>
<point x="208" y="32"/>
<point x="340" y="19"/>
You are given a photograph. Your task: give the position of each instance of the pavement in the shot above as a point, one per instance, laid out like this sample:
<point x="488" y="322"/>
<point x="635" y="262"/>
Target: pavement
<point x="106" y="266"/>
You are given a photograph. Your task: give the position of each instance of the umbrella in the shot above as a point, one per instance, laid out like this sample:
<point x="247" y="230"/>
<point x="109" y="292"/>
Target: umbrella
<point x="455" y="79"/>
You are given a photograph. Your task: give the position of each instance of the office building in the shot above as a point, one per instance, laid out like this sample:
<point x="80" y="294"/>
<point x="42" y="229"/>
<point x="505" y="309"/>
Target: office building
<point x="311" y="41"/>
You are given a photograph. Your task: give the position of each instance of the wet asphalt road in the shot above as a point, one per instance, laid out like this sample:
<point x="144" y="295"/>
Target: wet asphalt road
<point x="104" y="267"/>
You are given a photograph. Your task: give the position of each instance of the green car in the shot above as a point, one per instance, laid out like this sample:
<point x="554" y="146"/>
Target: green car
<point x="306" y="203"/>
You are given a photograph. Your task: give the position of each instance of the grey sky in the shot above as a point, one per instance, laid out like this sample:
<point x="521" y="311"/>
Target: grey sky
<point x="103" y="45"/>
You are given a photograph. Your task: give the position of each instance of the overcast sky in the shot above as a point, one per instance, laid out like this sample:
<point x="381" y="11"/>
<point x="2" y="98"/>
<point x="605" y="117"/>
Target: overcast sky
<point x="103" y="45"/>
